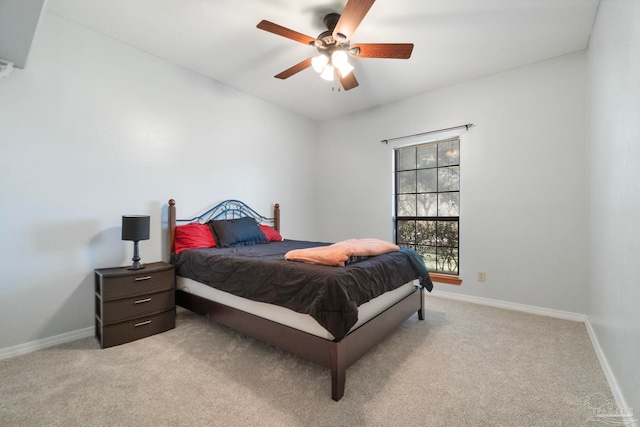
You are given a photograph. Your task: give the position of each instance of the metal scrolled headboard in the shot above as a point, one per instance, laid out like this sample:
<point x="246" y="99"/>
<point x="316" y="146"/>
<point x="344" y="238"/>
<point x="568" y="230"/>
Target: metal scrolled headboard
<point x="228" y="209"/>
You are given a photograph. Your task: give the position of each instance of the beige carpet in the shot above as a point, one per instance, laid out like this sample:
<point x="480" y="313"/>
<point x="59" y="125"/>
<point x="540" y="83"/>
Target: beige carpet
<point x="465" y="365"/>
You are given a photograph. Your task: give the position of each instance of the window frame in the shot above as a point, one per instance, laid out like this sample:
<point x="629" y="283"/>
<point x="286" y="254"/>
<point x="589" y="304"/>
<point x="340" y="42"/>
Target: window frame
<point x="438" y="276"/>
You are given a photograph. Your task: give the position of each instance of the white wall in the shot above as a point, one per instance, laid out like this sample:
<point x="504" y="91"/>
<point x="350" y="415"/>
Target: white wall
<point x="522" y="179"/>
<point x="614" y="190"/>
<point x="93" y="129"/>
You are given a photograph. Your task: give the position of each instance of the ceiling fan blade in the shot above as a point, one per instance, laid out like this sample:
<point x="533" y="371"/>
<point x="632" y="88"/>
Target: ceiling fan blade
<point x="295" y="69"/>
<point x="382" y="50"/>
<point x="349" y="81"/>
<point x="353" y="13"/>
<point x="285" y="32"/>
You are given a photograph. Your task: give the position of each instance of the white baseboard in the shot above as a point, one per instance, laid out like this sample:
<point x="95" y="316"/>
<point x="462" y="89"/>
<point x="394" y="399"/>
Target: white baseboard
<point x="566" y="315"/>
<point x="608" y="373"/>
<point x="29" y="347"/>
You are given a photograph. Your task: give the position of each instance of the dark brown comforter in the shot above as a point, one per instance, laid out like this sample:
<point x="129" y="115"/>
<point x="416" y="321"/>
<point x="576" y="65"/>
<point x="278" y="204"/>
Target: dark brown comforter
<point x="331" y="295"/>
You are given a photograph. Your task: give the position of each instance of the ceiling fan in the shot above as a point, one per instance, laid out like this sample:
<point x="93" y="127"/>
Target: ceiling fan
<point x="334" y="45"/>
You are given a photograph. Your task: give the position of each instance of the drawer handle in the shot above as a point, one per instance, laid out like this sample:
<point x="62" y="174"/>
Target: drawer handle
<point x="140" y="301"/>
<point x="140" y="279"/>
<point x="146" y="322"/>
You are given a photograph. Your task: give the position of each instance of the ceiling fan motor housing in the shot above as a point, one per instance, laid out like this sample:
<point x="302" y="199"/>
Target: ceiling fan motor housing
<point x="328" y="44"/>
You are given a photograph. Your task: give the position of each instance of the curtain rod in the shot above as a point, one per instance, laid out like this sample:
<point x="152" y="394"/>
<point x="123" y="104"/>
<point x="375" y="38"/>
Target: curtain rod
<point x="467" y="126"/>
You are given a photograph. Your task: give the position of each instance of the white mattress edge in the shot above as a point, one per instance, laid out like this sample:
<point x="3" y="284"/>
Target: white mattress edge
<point x="285" y="316"/>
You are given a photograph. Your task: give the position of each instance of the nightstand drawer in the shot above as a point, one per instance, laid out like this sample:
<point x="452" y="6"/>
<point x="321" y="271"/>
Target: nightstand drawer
<point x="137" y="284"/>
<point x="129" y="308"/>
<point x="123" y="332"/>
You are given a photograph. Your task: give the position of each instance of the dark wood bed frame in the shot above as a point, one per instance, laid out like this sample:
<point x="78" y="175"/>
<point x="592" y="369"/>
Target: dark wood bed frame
<point x="336" y="355"/>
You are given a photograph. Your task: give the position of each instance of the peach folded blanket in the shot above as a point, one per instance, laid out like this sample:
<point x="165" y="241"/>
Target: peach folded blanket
<point x="338" y="253"/>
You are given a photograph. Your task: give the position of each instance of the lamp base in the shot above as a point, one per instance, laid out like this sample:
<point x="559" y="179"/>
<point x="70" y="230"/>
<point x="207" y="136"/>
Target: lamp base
<point x="136" y="258"/>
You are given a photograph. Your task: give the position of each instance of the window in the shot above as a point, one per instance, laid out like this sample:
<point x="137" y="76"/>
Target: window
<point x="427" y="202"/>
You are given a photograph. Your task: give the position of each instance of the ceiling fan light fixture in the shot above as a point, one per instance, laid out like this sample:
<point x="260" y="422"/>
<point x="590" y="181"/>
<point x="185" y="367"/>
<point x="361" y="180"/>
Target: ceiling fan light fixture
<point x="327" y="73"/>
<point x="345" y="69"/>
<point x="339" y="58"/>
<point x="319" y="62"/>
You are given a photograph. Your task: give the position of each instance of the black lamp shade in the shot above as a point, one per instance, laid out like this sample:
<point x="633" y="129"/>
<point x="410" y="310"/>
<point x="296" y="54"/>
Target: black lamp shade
<point x="135" y="227"/>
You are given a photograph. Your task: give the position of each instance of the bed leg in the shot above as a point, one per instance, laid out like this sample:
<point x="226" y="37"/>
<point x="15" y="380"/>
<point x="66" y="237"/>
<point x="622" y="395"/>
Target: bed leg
<point x="422" y="304"/>
<point x="338" y="373"/>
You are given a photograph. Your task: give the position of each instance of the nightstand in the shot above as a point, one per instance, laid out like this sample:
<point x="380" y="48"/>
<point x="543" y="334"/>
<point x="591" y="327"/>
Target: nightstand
<point x="133" y="304"/>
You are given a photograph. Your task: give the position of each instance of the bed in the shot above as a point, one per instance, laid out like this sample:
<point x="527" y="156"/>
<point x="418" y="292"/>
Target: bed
<point x="334" y="330"/>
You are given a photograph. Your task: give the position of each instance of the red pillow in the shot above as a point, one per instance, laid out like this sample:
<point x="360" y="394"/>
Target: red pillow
<point x="192" y="236"/>
<point x="271" y="233"/>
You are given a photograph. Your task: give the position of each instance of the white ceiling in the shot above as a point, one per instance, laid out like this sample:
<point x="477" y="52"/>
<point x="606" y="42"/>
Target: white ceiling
<point x="455" y="41"/>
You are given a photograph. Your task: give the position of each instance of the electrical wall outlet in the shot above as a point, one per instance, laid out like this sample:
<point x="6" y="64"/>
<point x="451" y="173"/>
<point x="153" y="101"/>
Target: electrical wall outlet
<point x="482" y="276"/>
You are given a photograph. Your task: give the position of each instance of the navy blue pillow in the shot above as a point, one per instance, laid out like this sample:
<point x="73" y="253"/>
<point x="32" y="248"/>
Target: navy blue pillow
<point x="237" y="232"/>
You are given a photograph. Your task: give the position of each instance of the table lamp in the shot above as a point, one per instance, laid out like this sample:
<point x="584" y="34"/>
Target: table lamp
<point x="135" y="228"/>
